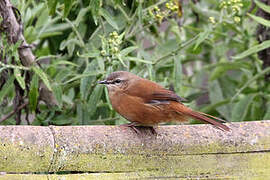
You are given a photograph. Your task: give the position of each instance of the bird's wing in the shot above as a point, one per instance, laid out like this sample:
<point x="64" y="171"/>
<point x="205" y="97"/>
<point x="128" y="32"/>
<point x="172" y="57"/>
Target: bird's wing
<point x="152" y="92"/>
<point x="166" y="95"/>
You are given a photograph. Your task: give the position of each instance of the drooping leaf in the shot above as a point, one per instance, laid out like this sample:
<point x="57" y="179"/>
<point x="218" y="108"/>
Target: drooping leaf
<point x="57" y="91"/>
<point x="52" y="6"/>
<point x="81" y="15"/>
<point x="6" y="88"/>
<point x="177" y="71"/>
<point x="94" y="98"/>
<point x="95" y="5"/>
<point x="19" y="78"/>
<point x="128" y="50"/>
<point x="63" y="62"/>
<point x="267" y="114"/>
<point x="33" y="93"/>
<point x="257" y="108"/>
<point x="262" y="6"/>
<point x="216" y="95"/>
<point x="253" y="49"/>
<point x="101" y="63"/>
<point x="79" y="76"/>
<point x="108" y="99"/>
<point x="109" y="18"/>
<point x="212" y="107"/>
<point x="43" y="76"/>
<point x="138" y="60"/>
<point x="260" y="20"/>
<point x="87" y="82"/>
<point x="223" y="67"/>
<point x="241" y="108"/>
<point x="140" y="11"/>
<point x="89" y="54"/>
<point x="265" y="71"/>
<point x="67" y="7"/>
<point x="202" y="36"/>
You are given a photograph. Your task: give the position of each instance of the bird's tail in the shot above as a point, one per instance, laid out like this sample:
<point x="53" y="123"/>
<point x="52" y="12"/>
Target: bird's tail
<point x="204" y="117"/>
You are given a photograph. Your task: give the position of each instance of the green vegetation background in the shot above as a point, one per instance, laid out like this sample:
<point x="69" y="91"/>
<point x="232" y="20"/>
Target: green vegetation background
<point x="206" y="50"/>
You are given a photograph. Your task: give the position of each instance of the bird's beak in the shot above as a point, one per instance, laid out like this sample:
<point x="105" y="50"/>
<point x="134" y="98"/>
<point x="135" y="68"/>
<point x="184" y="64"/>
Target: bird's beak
<point x="102" y="82"/>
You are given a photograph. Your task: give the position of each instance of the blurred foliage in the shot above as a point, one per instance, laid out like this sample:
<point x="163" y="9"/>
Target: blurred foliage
<point x="207" y="51"/>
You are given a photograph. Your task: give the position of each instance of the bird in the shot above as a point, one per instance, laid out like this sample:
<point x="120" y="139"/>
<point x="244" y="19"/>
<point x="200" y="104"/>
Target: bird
<point x="146" y="103"/>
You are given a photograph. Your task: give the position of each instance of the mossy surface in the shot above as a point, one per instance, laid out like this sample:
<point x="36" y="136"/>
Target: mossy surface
<point x="112" y="152"/>
<point x="25" y="148"/>
<point x="238" y="164"/>
<point x="18" y="157"/>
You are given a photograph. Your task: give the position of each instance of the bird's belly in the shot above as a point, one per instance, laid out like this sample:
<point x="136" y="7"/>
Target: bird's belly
<point x="135" y="110"/>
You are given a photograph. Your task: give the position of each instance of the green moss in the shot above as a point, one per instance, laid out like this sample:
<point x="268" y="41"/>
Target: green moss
<point x="18" y="157"/>
<point x="238" y="164"/>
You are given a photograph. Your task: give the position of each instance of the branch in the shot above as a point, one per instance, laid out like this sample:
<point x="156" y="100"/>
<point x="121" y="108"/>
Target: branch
<point x="12" y="26"/>
<point x="14" y="111"/>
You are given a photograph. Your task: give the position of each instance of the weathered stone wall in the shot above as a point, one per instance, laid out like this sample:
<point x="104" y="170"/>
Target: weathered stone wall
<point x="175" y="151"/>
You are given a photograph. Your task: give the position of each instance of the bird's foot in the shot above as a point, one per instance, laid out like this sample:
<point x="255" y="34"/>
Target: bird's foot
<point x="138" y="128"/>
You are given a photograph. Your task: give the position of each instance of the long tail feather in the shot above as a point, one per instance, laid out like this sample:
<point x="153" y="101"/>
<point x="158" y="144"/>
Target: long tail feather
<point x="213" y="117"/>
<point x="203" y="117"/>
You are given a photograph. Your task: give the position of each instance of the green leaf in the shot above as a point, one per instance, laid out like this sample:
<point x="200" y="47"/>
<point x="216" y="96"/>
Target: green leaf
<point x="212" y="107"/>
<point x="140" y="11"/>
<point x="108" y="18"/>
<point x="240" y="109"/>
<point x="43" y="19"/>
<point x="57" y="91"/>
<point x="67" y="7"/>
<point x="178" y="71"/>
<point x="257" y="108"/>
<point x="138" y="60"/>
<point x="19" y="78"/>
<point x="87" y="82"/>
<point x="81" y="15"/>
<point x="223" y="67"/>
<point x="128" y="50"/>
<point x="263" y="6"/>
<point x="89" y="54"/>
<point x="101" y="64"/>
<point x="93" y="73"/>
<point x="33" y="93"/>
<point x="43" y="76"/>
<point x="216" y="95"/>
<point x="94" y="7"/>
<point x="267" y="114"/>
<point x="260" y="20"/>
<point x="121" y="61"/>
<point x="65" y="63"/>
<point x="52" y="6"/>
<point x="82" y="113"/>
<point x="62" y="74"/>
<point x="265" y="71"/>
<point x="94" y="98"/>
<point x="202" y="36"/>
<point x="6" y="88"/>
<point x="30" y="34"/>
<point x="108" y="99"/>
<point x="254" y="49"/>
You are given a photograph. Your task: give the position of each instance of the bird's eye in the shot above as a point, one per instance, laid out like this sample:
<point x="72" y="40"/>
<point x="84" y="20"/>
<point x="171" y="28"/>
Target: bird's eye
<point x="117" y="81"/>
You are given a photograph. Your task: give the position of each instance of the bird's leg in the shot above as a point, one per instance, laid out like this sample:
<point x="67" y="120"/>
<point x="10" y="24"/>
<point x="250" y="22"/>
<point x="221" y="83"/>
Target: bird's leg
<point x="137" y="127"/>
<point x="132" y="125"/>
<point x="153" y="130"/>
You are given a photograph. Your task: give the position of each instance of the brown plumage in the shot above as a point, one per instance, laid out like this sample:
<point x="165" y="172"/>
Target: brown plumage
<point x="147" y="103"/>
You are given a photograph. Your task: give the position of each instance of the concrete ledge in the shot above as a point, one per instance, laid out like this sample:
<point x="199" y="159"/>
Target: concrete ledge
<point x="26" y="148"/>
<point x="176" y="151"/>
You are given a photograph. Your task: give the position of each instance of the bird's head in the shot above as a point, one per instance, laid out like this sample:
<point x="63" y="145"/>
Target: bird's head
<point x="119" y="80"/>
